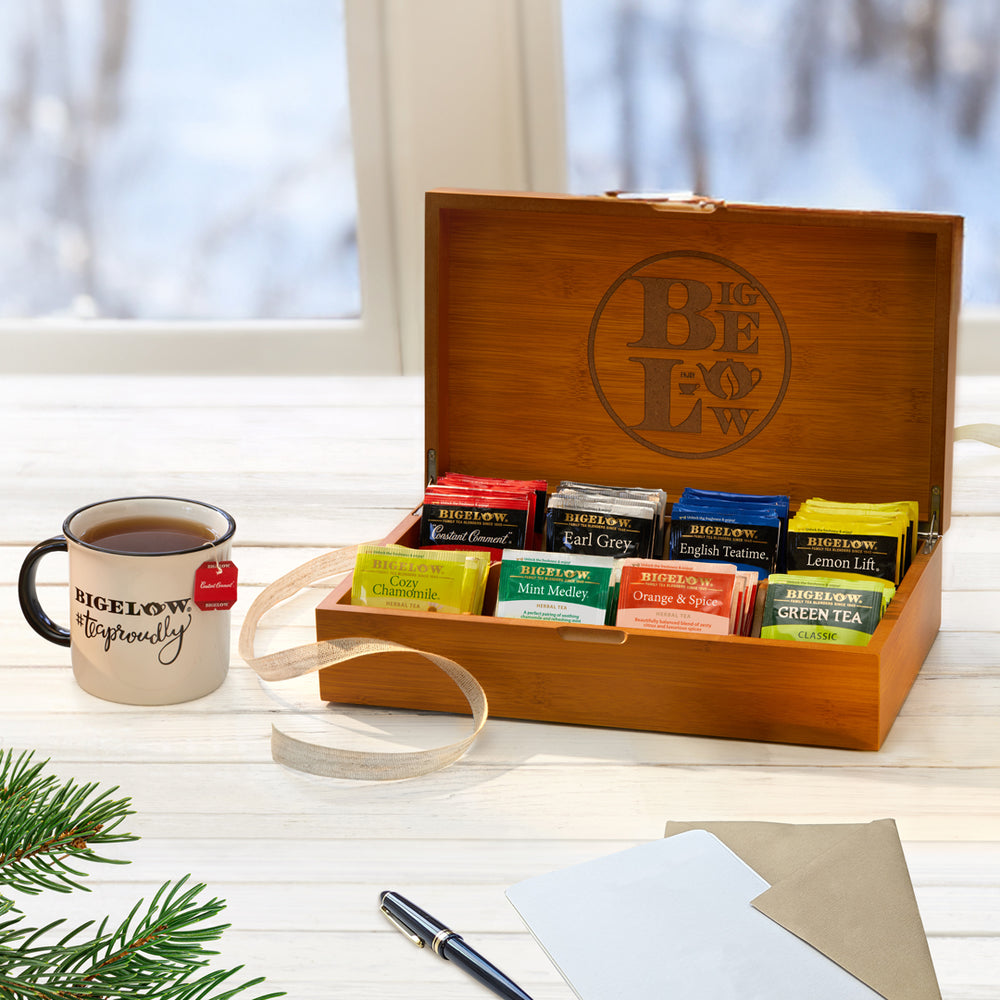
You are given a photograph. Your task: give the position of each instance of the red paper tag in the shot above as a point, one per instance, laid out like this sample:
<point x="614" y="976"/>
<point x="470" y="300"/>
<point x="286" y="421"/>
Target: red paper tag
<point x="215" y="586"/>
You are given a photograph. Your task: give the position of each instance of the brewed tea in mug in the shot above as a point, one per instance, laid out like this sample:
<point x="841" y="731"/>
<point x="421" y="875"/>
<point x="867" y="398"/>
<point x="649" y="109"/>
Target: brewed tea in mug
<point x="147" y="535"/>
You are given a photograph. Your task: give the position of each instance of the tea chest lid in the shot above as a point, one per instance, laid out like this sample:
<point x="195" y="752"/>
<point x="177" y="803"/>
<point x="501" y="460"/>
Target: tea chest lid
<point x="732" y="347"/>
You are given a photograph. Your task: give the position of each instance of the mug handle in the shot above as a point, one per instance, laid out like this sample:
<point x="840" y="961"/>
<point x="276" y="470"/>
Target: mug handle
<point x="28" y="595"/>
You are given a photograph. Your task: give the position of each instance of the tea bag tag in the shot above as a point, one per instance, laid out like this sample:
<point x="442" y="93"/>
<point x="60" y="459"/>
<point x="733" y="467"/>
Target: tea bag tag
<point x="215" y="585"/>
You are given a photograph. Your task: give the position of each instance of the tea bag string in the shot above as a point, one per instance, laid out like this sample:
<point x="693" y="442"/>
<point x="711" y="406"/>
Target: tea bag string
<point x="303" y="755"/>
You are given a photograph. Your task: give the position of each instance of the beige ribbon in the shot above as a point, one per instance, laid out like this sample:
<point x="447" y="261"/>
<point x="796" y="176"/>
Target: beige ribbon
<point x="297" y="661"/>
<point x="987" y="433"/>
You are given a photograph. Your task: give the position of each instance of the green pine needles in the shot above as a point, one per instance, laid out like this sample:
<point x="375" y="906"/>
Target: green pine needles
<point x="48" y="830"/>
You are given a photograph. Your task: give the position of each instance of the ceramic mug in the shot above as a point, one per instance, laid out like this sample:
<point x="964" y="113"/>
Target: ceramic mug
<point x="150" y="585"/>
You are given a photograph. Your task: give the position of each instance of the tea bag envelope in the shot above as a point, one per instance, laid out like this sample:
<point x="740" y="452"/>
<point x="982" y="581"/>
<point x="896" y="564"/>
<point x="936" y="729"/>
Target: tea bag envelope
<point x="688" y="916"/>
<point x="844" y="888"/>
<point x="673" y="918"/>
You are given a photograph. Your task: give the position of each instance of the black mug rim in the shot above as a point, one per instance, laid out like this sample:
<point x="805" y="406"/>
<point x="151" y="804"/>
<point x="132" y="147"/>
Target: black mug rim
<point x="214" y="543"/>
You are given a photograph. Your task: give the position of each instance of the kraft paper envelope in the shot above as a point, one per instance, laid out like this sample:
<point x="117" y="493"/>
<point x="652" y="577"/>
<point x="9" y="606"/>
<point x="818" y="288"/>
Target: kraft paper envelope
<point x="844" y="888"/>
<point x="673" y="918"/>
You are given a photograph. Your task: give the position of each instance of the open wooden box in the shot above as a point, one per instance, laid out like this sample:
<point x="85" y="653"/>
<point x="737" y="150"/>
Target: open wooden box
<point x="661" y="344"/>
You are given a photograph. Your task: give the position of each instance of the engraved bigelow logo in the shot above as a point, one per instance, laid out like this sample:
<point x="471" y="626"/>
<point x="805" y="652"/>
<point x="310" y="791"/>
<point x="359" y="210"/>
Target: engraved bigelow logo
<point x="689" y="354"/>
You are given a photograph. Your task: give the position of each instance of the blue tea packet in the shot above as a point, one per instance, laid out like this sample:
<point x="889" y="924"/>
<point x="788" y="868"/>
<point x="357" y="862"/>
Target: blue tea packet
<point x="745" y="529"/>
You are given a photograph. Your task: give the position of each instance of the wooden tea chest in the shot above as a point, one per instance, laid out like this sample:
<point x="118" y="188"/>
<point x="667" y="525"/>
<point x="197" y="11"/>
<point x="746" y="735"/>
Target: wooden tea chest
<point x="655" y="344"/>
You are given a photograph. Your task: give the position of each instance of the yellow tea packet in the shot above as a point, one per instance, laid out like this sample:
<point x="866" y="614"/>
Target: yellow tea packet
<point x="909" y="508"/>
<point x="444" y="580"/>
<point x="848" y="542"/>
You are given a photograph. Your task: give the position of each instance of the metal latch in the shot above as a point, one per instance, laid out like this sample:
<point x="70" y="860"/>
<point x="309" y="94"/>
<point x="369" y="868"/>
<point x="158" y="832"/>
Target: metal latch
<point x="670" y="201"/>
<point x="933" y="533"/>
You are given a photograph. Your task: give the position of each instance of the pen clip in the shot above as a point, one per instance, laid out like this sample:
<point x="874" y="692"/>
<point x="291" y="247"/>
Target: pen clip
<point x="405" y="931"/>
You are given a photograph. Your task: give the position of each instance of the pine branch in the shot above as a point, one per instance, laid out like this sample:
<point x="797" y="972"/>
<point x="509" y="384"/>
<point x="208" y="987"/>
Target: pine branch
<point x="44" y="825"/>
<point x="158" y="952"/>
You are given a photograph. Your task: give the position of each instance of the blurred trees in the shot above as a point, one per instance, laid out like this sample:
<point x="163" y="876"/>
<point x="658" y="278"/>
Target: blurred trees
<point x="175" y="160"/>
<point x="902" y="40"/>
<point x="53" y="117"/>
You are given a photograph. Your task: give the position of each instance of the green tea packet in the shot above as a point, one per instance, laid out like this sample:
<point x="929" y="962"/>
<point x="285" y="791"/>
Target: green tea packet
<point x="554" y="586"/>
<point x="823" y="609"/>
<point x="444" y="580"/>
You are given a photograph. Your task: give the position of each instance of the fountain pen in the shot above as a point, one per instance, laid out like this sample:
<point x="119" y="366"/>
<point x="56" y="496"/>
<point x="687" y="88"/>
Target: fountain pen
<point x="424" y="931"/>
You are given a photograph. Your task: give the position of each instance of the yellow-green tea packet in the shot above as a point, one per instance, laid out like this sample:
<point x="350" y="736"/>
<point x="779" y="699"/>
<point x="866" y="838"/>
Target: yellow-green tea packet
<point x="403" y="579"/>
<point x="824" y="609"/>
<point x="883" y="587"/>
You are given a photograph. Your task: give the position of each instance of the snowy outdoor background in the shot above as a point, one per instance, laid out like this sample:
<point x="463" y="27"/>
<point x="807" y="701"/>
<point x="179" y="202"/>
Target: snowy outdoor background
<point x="175" y="159"/>
<point x="184" y="159"/>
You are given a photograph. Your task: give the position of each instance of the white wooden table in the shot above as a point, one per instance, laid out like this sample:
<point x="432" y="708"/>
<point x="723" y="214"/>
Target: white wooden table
<point x="310" y="464"/>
